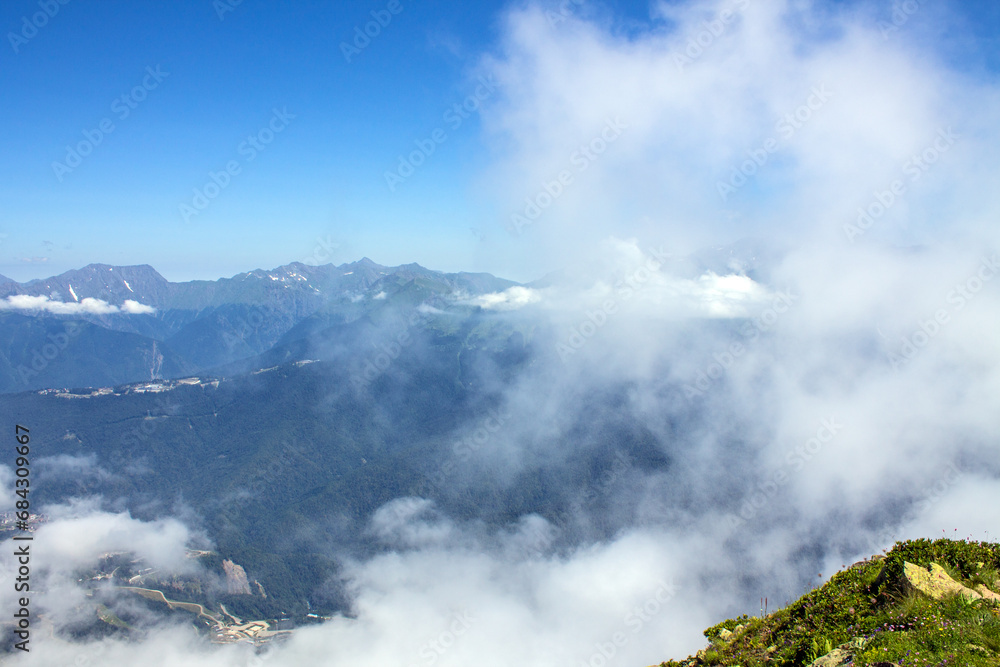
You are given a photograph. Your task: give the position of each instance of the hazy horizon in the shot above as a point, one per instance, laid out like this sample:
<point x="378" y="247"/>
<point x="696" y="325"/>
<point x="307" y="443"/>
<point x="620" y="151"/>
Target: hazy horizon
<point x="667" y="427"/>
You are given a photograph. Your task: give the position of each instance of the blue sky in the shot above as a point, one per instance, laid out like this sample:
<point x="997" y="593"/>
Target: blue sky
<point x="221" y="77"/>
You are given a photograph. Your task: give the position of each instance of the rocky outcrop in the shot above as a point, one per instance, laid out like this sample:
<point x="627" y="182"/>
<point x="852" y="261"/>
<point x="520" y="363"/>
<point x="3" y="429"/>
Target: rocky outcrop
<point x="727" y="636"/>
<point x="875" y="594"/>
<point x="987" y="593"/>
<point x="236" y="578"/>
<point x="842" y="656"/>
<point x="938" y="584"/>
<point x="838" y="657"/>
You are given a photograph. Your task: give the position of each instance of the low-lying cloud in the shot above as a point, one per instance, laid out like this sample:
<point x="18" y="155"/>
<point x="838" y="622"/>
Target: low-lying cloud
<point x="785" y="413"/>
<point x="86" y="306"/>
<point x="510" y="299"/>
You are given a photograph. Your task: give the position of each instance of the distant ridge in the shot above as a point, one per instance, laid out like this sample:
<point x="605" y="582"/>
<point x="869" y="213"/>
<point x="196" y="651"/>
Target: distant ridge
<point x="142" y="283"/>
<point x="113" y="284"/>
<point x="189" y="327"/>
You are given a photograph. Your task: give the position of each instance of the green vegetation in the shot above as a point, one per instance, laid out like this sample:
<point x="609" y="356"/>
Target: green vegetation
<point x="870" y="613"/>
<point x="286" y="467"/>
<point x="110" y="618"/>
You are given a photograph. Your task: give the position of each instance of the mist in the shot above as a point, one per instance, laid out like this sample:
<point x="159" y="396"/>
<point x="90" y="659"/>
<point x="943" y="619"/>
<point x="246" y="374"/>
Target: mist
<point x="773" y="329"/>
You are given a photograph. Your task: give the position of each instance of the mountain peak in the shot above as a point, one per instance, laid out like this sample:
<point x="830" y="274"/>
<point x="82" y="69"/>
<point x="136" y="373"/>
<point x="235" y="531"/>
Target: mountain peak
<point x="129" y="271"/>
<point x="112" y="284"/>
<point x="413" y="266"/>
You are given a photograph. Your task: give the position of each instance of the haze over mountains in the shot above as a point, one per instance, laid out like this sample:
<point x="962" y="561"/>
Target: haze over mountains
<point x="327" y="394"/>
<point x="130" y="324"/>
<point x="135" y="325"/>
<point x="643" y="422"/>
<point x="430" y="469"/>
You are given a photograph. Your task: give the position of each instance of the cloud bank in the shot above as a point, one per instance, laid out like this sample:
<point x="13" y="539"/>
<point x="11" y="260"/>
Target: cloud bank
<point x="796" y="410"/>
<point x="86" y="306"/>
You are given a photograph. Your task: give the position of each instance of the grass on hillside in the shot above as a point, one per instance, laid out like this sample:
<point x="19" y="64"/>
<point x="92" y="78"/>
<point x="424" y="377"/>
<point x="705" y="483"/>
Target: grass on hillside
<point x="867" y="605"/>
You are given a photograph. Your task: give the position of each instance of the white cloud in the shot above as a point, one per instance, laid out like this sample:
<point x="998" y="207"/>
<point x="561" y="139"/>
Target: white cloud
<point x="135" y="308"/>
<point x="87" y="306"/>
<point x="510" y="299"/>
<point x="644" y="285"/>
<point x="691" y="127"/>
<point x="411" y="522"/>
<point x="448" y="602"/>
<point x="65" y="466"/>
<point x="761" y="390"/>
<point x="427" y="309"/>
<point x="727" y="296"/>
<point x="7" y="488"/>
<point x="78" y="533"/>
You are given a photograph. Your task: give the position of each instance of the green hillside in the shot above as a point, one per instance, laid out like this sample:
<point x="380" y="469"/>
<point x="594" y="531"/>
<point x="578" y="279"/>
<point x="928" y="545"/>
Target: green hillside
<point x="924" y="603"/>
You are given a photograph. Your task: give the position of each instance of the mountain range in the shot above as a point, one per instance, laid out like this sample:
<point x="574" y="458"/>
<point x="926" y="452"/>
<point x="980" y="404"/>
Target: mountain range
<point x="297" y="401"/>
<point x="128" y="323"/>
<point x="289" y="413"/>
<point x="269" y="401"/>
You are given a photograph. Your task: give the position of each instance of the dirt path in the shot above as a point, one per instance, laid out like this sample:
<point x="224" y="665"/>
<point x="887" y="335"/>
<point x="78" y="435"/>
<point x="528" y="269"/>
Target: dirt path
<point x="158" y="596"/>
